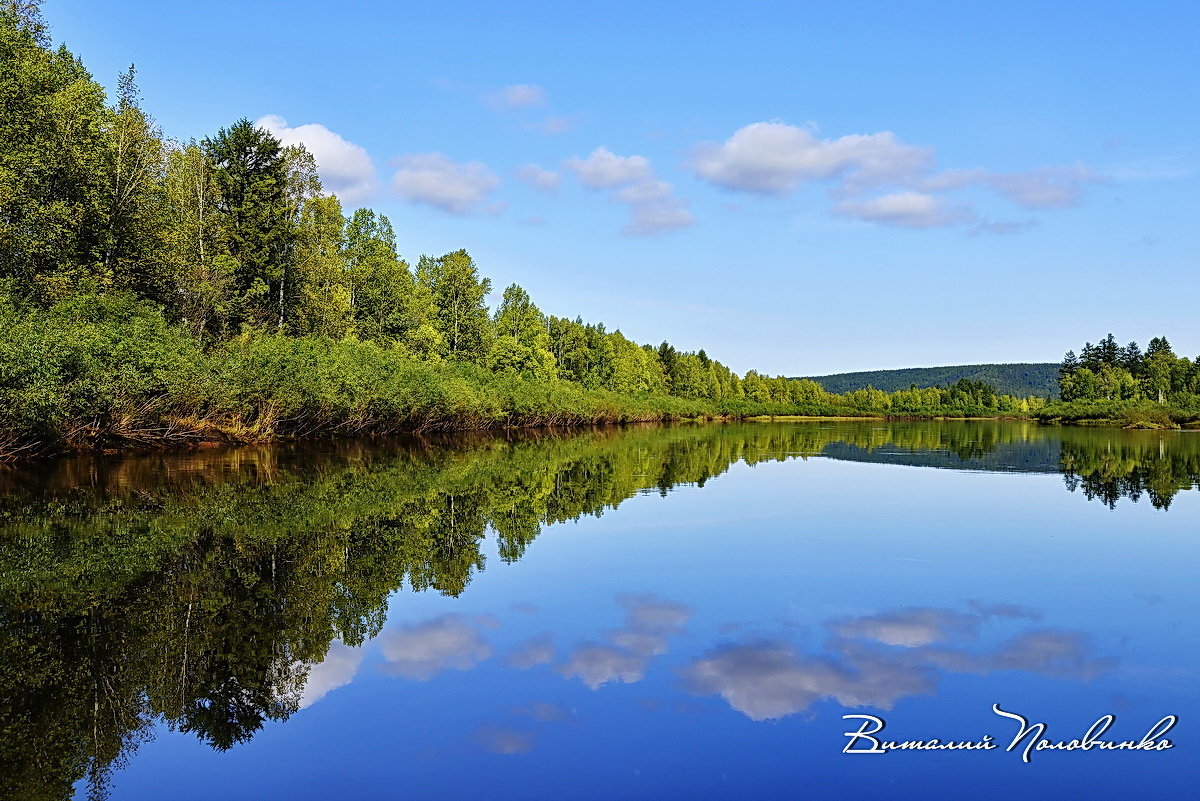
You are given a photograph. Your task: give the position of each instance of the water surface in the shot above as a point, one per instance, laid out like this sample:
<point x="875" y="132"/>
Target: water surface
<point x="650" y="612"/>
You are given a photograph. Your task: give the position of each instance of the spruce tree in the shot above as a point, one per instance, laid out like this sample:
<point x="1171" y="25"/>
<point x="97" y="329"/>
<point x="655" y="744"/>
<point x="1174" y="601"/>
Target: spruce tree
<point x="250" y="171"/>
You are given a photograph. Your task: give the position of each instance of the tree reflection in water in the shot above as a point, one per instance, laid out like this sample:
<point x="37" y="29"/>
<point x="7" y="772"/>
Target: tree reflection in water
<point x="198" y="589"/>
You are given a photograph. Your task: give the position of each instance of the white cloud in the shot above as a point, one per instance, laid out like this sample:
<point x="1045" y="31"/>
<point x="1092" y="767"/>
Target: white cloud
<point x="768" y="680"/>
<point x="649" y="190"/>
<point x="596" y="665"/>
<point x="881" y="659"/>
<point x="1047" y="652"/>
<point x="454" y="187"/>
<point x="652" y="207"/>
<point x="539" y="178"/>
<point x="518" y="96"/>
<point x="774" y="158"/>
<point x="649" y="620"/>
<point x="603" y="169"/>
<point x="1042" y="188"/>
<point x="345" y="168"/>
<point x="907" y="210"/>
<point x="422" y="651"/>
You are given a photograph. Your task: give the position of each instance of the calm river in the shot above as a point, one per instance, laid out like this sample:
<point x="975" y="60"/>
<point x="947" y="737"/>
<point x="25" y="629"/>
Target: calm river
<point x="641" y="613"/>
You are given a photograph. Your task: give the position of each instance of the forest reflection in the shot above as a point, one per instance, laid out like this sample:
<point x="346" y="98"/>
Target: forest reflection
<point x="198" y="589"/>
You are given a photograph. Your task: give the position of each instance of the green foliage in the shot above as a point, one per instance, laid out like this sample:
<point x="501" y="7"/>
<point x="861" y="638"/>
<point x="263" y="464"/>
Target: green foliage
<point x="1109" y="382"/>
<point x="250" y="173"/>
<point x="522" y="341"/>
<point x="459" y="295"/>
<point x="321" y="303"/>
<point x="90" y="369"/>
<point x="54" y="162"/>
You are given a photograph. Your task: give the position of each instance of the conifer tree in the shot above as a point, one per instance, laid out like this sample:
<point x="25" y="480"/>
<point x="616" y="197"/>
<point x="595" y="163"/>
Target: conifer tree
<point x="251" y="176"/>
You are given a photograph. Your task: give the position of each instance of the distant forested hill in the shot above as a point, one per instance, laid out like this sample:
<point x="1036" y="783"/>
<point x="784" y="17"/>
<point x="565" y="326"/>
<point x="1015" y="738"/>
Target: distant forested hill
<point x="1020" y="380"/>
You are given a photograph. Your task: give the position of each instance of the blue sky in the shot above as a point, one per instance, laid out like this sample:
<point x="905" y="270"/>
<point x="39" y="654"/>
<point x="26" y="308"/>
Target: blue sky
<point x="798" y="188"/>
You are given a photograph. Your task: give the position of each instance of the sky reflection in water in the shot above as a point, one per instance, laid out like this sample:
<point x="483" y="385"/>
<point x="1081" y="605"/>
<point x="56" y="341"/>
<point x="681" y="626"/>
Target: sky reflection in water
<point x="704" y="641"/>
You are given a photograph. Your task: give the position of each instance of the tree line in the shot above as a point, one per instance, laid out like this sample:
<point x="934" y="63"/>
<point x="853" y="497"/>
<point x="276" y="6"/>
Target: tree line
<point x="154" y="290"/>
<point x="236" y="233"/>
<point x="1109" y="371"/>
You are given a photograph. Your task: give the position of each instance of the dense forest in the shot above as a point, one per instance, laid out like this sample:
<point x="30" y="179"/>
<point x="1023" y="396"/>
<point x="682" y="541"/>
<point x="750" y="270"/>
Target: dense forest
<point x="1018" y="380"/>
<point x="155" y="291"/>
<point x="1111" y="382"/>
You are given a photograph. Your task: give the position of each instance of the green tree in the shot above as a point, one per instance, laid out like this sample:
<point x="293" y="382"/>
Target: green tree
<point x="200" y="274"/>
<point x="1159" y="366"/>
<point x="53" y="161"/>
<point x="522" y="342"/>
<point x="322" y="299"/>
<point x="136" y="165"/>
<point x="381" y="284"/>
<point x="251" y="176"/>
<point x="459" y="294"/>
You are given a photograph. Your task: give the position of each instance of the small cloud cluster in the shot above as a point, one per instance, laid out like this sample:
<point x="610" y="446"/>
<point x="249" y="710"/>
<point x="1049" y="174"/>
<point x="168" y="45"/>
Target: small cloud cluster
<point x="878" y="660"/>
<point x="907" y="210"/>
<point x="630" y="180"/>
<point x="533" y="652"/>
<point x="1046" y="188"/>
<point x="345" y="168"/>
<point x="624" y="658"/>
<point x="438" y="181"/>
<point x="774" y="158"/>
<point x="910" y="628"/>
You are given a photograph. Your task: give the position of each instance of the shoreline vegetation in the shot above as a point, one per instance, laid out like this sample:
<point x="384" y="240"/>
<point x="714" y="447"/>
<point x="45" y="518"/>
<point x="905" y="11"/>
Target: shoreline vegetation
<point x="1110" y="384"/>
<point x="157" y="293"/>
<point x="110" y="371"/>
<point x="160" y="293"/>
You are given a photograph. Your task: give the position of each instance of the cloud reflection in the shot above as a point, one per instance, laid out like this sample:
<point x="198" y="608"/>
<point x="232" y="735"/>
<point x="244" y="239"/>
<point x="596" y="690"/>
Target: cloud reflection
<point x="910" y="628"/>
<point x="533" y="652"/>
<point x="504" y="740"/>
<point x="448" y="642"/>
<point x="880" y="659"/>
<point x="336" y="670"/>
<point x="649" y="621"/>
